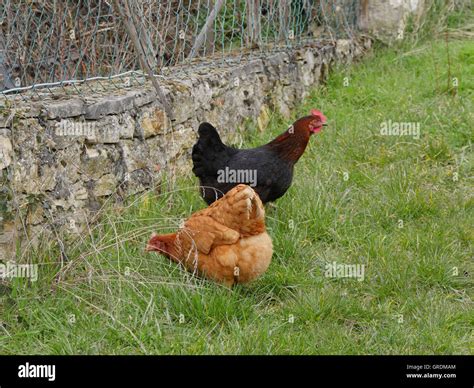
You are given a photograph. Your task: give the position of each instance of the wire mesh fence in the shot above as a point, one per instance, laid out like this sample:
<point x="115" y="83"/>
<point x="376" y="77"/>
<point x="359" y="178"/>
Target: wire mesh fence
<point x="48" y="43"/>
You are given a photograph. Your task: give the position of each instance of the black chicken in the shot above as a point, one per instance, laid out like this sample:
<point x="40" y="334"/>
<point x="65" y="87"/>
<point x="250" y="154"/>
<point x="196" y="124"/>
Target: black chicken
<point x="268" y="168"/>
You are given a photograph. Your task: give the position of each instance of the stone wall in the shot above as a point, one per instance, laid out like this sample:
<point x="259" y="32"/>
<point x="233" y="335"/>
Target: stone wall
<point x="63" y="154"/>
<point x="387" y="20"/>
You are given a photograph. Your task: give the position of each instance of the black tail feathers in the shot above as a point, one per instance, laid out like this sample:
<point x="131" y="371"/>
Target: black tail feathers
<point x="208" y="151"/>
<point x="208" y="135"/>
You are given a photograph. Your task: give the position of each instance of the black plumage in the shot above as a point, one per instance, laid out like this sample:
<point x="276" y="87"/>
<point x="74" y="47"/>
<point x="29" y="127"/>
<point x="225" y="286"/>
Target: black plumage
<point x="270" y="166"/>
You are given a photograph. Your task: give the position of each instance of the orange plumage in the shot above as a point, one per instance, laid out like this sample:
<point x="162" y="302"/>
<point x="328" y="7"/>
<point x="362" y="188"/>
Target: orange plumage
<point x="226" y="242"/>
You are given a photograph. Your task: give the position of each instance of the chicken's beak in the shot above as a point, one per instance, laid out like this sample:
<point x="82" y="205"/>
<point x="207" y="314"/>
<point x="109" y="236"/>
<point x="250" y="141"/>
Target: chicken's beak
<point x="325" y="124"/>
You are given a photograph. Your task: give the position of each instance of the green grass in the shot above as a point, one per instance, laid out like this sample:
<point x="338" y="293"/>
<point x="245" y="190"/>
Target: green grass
<point x="112" y="298"/>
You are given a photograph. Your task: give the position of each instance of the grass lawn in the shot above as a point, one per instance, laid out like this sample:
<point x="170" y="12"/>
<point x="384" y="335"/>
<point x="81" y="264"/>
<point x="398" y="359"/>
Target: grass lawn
<point x="400" y="205"/>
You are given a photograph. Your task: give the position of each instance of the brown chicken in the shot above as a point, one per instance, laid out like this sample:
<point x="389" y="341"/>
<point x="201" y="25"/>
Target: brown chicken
<point x="226" y="242"/>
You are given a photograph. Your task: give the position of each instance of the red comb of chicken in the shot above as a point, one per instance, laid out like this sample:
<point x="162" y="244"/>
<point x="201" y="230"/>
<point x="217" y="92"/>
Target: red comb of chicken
<point x="317" y="113"/>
